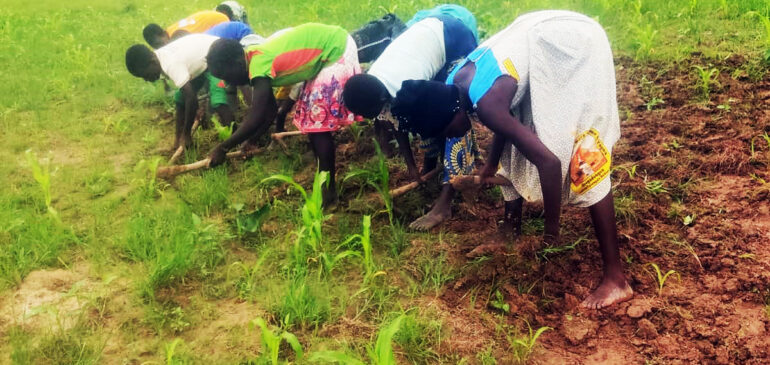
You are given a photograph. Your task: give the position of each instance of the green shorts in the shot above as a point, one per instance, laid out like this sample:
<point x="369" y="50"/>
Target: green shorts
<point x="217" y="92"/>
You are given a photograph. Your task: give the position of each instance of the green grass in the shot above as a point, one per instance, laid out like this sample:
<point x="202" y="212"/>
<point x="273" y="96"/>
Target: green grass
<point x="68" y="98"/>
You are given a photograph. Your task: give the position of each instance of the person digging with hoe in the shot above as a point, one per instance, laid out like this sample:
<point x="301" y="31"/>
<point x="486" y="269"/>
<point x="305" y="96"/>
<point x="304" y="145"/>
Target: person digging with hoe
<point x="183" y="61"/>
<point x="545" y="86"/>
<point x="324" y="57"/>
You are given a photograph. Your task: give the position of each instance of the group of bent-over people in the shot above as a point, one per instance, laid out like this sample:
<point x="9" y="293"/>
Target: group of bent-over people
<point x="545" y="85"/>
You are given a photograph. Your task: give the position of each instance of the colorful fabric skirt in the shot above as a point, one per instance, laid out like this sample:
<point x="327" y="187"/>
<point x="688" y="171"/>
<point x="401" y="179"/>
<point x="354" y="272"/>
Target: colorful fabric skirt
<point x="459" y="154"/>
<point x="320" y="108"/>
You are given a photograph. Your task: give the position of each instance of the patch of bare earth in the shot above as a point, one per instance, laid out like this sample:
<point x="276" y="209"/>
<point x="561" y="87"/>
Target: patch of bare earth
<point x="714" y="311"/>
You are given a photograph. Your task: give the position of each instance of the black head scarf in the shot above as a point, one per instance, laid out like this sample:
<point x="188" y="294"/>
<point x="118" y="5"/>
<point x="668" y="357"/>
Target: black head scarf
<point x="425" y="107"/>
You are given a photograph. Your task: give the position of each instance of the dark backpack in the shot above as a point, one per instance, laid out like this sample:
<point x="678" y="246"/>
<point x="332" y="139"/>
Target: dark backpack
<point x="374" y="36"/>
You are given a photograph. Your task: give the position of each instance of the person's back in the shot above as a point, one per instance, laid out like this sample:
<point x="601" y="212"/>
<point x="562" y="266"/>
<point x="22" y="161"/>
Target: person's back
<point x="230" y="30"/>
<point x="185" y="58"/>
<point x="198" y="22"/>
<point x="423" y="51"/>
<point x="298" y="54"/>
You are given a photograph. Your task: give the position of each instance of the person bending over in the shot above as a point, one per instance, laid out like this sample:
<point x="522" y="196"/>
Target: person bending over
<point x="183" y="61"/>
<point x="545" y="86"/>
<point x="322" y="56"/>
<point x="426" y="50"/>
<point x="199" y="22"/>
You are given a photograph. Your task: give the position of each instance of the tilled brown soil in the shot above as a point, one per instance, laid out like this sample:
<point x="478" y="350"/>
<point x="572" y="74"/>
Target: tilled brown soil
<point x="714" y="310"/>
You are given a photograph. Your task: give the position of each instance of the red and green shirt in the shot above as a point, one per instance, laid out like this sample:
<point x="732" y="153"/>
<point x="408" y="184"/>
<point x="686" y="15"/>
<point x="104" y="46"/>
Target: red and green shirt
<point x="298" y="54"/>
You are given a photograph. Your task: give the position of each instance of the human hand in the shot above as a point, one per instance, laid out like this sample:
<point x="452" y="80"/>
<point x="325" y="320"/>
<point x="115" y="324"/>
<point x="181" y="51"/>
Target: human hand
<point x="217" y="156"/>
<point x="487" y="172"/>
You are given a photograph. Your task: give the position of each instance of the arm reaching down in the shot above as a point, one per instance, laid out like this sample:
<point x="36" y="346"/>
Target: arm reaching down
<point x="262" y="112"/>
<point x="493" y="112"/>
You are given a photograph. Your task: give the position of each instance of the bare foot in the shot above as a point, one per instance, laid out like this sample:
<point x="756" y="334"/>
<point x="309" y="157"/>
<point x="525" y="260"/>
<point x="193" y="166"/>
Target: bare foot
<point x="431" y="219"/>
<point x="607" y="294"/>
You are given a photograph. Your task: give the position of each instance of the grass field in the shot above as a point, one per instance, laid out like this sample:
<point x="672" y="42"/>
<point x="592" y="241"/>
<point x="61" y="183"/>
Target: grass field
<point x="102" y="262"/>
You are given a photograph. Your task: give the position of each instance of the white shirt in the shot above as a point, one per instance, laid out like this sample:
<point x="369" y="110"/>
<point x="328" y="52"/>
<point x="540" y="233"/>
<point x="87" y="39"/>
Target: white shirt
<point x="185" y="58"/>
<point x="416" y="54"/>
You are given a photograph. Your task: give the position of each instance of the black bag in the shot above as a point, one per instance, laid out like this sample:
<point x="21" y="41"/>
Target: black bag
<point x="374" y="36"/>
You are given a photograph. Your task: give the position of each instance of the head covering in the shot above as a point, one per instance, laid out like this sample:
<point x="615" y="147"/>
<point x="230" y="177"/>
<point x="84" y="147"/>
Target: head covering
<point x="425" y="107"/>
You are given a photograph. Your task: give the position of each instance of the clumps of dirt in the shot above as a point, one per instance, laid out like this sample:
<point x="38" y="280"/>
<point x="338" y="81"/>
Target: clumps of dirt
<point x="714" y="311"/>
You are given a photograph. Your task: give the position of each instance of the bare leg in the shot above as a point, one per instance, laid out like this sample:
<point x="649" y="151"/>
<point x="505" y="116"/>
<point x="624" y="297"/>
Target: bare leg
<point x="614" y="288"/>
<point x="384" y="136"/>
<point x="179" y="127"/>
<point x="284" y="106"/>
<point x="441" y="211"/>
<point x="324" y="149"/>
<point x="406" y="152"/>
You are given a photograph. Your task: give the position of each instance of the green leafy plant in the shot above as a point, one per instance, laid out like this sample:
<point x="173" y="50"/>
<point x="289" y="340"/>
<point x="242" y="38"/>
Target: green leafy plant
<point x="499" y="302"/>
<point x="272" y="339"/>
<point x="551" y="250"/>
<point x="706" y="77"/>
<point x="688" y="220"/>
<point x="380" y="354"/>
<point x="655" y="187"/>
<point x="370" y="268"/>
<point x="309" y="237"/>
<point x="652" y="103"/>
<point x="41" y="172"/>
<point x="223" y="132"/>
<point x="250" y="276"/>
<point x="726" y="106"/>
<point x="171" y="358"/>
<point x="522" y="346"/>
<point x="661" y="277"/>
<point x="356" y="129"/>
<point x="249" y="222"/>
<point x="651" y="92"/>
<point x="630" y="170"/>
<point x="673" y="145"/>
<point x="147" y="180"/>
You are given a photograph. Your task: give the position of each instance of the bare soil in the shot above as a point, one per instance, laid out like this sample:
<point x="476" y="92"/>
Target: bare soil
<point x="714" y="311"/>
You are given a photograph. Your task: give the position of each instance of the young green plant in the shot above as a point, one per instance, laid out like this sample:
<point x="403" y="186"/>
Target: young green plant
<point x="661" y="277"/>
<point x="379" y="179"/>
<point x="522" y="346"/>
<point x="41" y="172"/>
<point x="706" y="78"/>
<point x="370" y="268"/>
<point x="380" y="354"/>
<point x="272" y="338"/>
